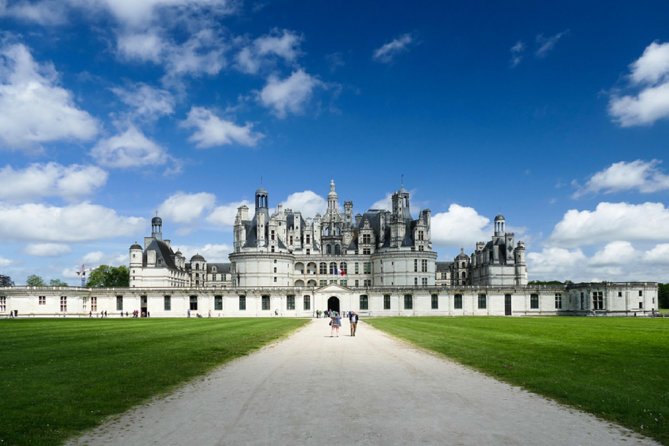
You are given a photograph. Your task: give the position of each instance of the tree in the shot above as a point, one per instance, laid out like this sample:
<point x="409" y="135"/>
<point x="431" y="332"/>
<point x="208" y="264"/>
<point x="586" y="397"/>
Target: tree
<point x="57" y="282"/>
<point x="663" y="295"/>
<point x="105" y="276"/>
<point x="34" y="280"/>
<point x="6" y="281"/>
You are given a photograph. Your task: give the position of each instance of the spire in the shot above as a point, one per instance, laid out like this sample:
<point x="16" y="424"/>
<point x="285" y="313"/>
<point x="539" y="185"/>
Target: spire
<point x="333" y="198"/>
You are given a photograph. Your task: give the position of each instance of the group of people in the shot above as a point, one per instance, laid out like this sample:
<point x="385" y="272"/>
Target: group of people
<point x="335" y="322"/>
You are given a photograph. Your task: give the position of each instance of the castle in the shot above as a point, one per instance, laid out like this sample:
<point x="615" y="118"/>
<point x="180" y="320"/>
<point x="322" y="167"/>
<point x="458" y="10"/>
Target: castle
<point x="380" y="262"/>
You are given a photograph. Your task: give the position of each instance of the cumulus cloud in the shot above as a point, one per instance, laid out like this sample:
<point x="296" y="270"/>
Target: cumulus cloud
<point x="386" y="203"/>
<point x="146" y="46"/>
<point x="212" y="131"/>
<point x="387" y="52"/>
<point x="74" y="223"/>
<point x="213" y="253"/>
<point x="615" y="253"/>
<point x="50" y="180"/>
<point x="658" y="255"/>
<point x="649" y="77"/>
<point x="554" y="263"/>
<point x="643" y="176"/>
<point x="264" y="50"/>
<point x="460" y="226"/>
<point x="517" y="51"/>
<point x="547" y="44"/>
<point x="307" y="202"/>
<point x="93" y="257"/>
<point x="185" y="208"/>
<point x="288" y="95"/>
<point x="46" y="12"/>
<point x="129" y="149"/>
<point x="47" y="249"/>
<point x="5" y="262"/>
<point x="225" y="214"/>
<point x="34" y="109"/>
<point x="612" y="221"/>
<point x="147" y="102"/>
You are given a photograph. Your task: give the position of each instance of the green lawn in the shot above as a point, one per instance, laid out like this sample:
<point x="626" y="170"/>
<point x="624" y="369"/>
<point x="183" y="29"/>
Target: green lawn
<point x="60" y="377"/>
<point x="616" y="368"/>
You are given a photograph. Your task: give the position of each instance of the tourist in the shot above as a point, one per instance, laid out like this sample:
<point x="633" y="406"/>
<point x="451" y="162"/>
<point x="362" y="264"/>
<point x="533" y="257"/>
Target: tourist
<point x="335" y="323"/>
<point x="353" y="319"/>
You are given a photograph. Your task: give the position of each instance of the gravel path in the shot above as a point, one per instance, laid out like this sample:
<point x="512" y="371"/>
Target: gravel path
<point x="370" y="390"/>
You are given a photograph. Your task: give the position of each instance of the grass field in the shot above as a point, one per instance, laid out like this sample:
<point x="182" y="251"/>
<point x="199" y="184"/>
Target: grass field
<point x="60" y="377"/>
<point x="616" y="368"/>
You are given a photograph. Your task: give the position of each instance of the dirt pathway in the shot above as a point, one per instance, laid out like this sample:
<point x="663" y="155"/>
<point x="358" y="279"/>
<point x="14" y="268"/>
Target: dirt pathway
<point x="363" y="390"/>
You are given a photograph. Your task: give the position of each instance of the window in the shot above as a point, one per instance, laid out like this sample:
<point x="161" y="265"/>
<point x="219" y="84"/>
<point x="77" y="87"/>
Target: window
<point x="290" y="302"/>
<point x="423" y="281"/>
<point x="366" y="239"/>
<point x="265" y="302"/>
<point x="483" y="302"/>
<point x="534" y="301"/>
<point x="322" y="282"/>
<point x="119" y="303"/>
<point x="435" y="301"/>
<point x="94" y="303"/>
<point x="333" y="268"/>
<point x="558" y="301"/>
<point x="420" y="235"/>
<point x="640" y="305"/>
<point x="597" y="300"/>
<point x="323" y="268"/>
<point x="386" y="301"/>
<point x="640" y="293"/>
<point x="356" y="282"/>
<point x="367" y="282"/>
<point x="620" y="294"/>
<point x="364" y="302"/>
<point x="308" y="238"/>
<point x="42" y="300"/>
<point x="415" y="281"/>
<point x="357" y="269"/>
<point x="367" y="268"/>
<point x="366" y="251"/>
<point x="242" y="303"/>
<point x="582" y="301"/>
<point x="415" y="265"/>
<point x="218" y="303"/>
<point x="3" y="303"/>
<point x="193" y="303"/>
<point x="457" y="301"/>
<point x="63" y="303"/>
<point x="274" y="279"/>
<point x="167" y="303"/>
<point x="343" y="268"/>
<point x="343" y="282"/>
<point x="307" y="302"/>
<point x="423" y="265"/>
<point x="408" y="301"/>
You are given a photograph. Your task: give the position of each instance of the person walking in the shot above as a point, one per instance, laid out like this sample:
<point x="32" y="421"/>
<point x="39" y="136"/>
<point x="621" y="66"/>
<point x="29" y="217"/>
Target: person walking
<point x="353" y="319"/>
<point x="335" y="323"/>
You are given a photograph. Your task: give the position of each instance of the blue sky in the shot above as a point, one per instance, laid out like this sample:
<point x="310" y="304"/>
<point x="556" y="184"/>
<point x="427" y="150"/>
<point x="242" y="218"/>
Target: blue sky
<point x="554" y="115"/>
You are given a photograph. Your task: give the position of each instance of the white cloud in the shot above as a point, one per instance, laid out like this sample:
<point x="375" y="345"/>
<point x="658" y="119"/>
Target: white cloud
<point x="643" y="176"/>
<point x="385" y="203"/>
<point x="459" y="227"/>
<point x="93" y="257"/>
<point x="288" y="95"/>
<point x="47" y="249"/>
<point x="224" y="215"/>
<point x="144" y="46"/>
<point x="264" y="50"/>
<point x="653" y="65"/>
<point x="546" y="44"/>
<point x="517" y="51"/>
<point x="613" y="221"/>
<point x="651" y="74"/>
<point x="213" y="131"/>
<point x="308" y="203"/>
<point x="147" y="102"/>
<point x="47" y="12"/>
<point x="33" y="108"/>
<point x="554" y="263"/>
<point x="5" y="262"/>
<point x="186" y="208"/>
<point x="658" y="255"/>
<point x="202" y="53"/>
<point x="129" y="149"/>
<point x="50" y="180"/>
<point x="615" y="253"/>
<point x="213" y="253"/>
<point x="75" y="223"/>
<point x="387" y="52"/>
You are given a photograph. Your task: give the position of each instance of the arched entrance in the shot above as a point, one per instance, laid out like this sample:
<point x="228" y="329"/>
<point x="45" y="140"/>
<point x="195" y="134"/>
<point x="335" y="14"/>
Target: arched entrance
<point x="333" y="304"/>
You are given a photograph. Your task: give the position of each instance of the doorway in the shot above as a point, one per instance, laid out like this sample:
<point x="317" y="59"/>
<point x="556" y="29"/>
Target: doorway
<point x="507" y="305"/>
<point x="333" y="304"/>
<point x="144" y="310"/>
